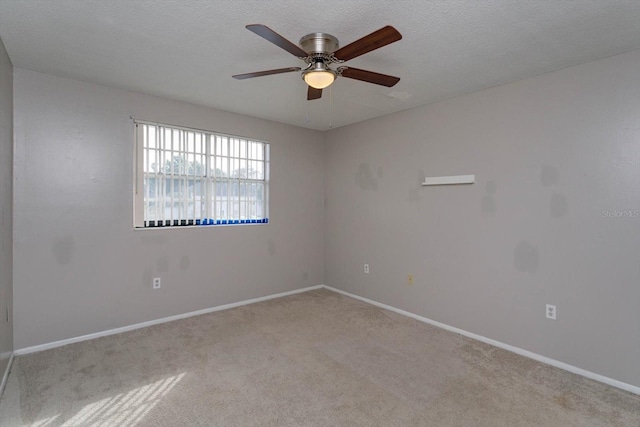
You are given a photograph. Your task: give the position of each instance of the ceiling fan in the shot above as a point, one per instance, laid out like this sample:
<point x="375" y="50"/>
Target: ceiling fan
<point x="320" y="50"/>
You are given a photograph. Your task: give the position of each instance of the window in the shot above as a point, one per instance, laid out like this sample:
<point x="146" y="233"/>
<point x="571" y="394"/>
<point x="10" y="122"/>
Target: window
<point x="194" y="177"/>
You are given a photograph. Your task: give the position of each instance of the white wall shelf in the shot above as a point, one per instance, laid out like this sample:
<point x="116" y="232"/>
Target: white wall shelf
<point x="449" y="180"/>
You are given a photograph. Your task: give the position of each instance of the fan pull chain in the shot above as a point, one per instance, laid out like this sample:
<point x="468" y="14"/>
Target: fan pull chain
<point x="330" y="107"/>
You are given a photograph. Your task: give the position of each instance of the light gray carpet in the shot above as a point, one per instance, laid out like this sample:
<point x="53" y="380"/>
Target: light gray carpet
<point x="311" y="359"/>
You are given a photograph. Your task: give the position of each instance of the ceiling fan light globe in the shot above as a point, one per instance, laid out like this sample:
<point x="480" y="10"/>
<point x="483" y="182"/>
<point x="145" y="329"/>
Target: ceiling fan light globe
<point x="319" y="79"/>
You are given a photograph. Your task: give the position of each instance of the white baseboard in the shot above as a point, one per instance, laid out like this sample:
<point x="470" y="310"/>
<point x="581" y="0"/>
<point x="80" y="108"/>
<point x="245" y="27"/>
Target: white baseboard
<point x="47" y="346"/>
<point x="3" y="384"/>
<point x="570" y="368"/>
<point x="546" y="360"/>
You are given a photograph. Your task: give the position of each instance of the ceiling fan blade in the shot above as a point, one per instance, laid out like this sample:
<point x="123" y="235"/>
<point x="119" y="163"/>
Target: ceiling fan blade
<point x="265" y="73"/>
<point x="375" y="40"/>
<point x="369" y="76"/>
<point x="275" y="38"/>
<point x="313" y="93"/>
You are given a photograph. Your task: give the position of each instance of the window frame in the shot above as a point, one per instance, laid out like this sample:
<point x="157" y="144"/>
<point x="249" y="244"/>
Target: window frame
<point x="139" y="220"/>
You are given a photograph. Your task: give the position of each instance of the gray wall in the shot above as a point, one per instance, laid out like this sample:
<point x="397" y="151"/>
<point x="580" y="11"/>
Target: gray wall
<point x="554" y="156"/>
<point x="6" y="208"/>
<point x="80" y="268"/>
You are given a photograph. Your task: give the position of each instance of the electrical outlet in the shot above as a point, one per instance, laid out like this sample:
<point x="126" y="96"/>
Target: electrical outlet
<point x="551" y="312"/>
<point x="410" y="279"/>
<point x="156" y="283"/>
<point x="366" y="268"/>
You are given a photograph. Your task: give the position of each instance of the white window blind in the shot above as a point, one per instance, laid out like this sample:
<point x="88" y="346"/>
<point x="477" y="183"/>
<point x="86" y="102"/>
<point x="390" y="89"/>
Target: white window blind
<point x="194" y="177"/>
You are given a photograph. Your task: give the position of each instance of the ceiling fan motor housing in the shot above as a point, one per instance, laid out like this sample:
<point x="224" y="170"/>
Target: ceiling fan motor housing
<point x="319" y="44"/>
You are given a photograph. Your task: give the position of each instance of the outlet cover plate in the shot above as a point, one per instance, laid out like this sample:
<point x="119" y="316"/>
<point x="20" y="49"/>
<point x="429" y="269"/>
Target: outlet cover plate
<point x="551" y="312"/>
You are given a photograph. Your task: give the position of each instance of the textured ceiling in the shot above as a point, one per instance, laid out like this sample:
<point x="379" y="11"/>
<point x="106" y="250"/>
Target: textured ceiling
<point x="188" y="50"/>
